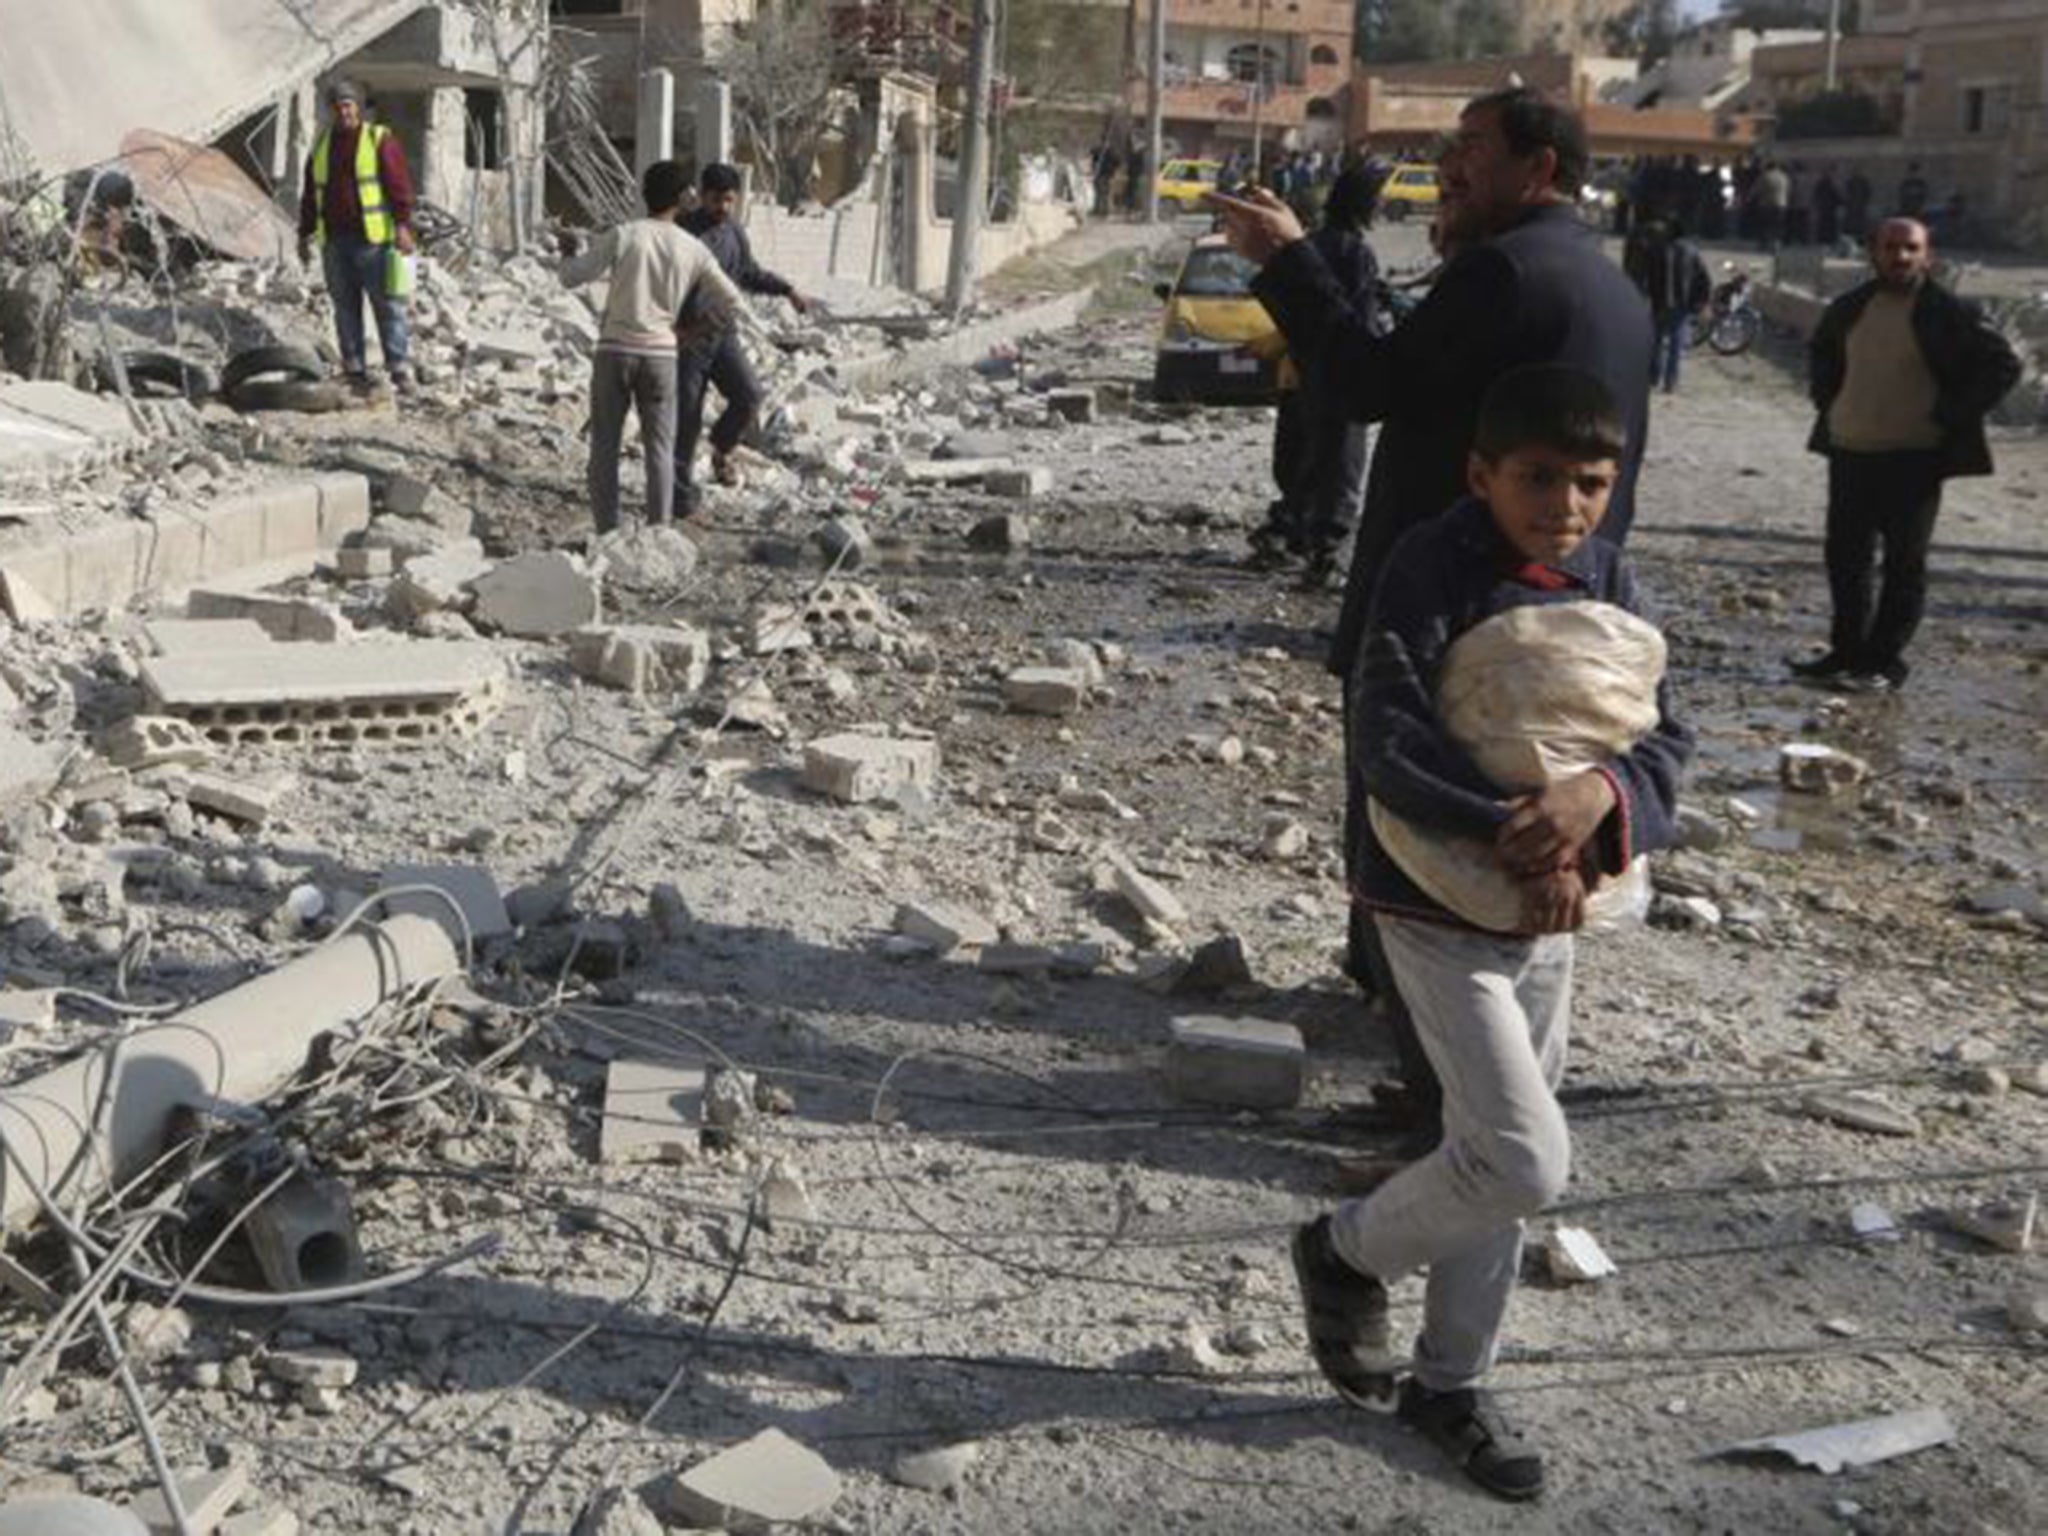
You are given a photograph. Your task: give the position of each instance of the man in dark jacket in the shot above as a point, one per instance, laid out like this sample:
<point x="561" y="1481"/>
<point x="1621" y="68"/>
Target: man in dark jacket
<point x="1528" y="284"/>
<point x="1903" y="374"/>
<point x="719" y="358"/>
<point x="1673" y="277"/>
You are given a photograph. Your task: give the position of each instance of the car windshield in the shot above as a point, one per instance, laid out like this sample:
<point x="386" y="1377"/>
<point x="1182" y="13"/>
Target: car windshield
<point x="1216" y="274"/>
<point x="1419" y="178"/>
<point x="1191" y="170"/>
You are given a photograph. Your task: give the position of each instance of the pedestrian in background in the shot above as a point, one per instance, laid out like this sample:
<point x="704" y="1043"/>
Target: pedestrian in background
<point x="1773" y="197"/>
<point x="653" y="268"/>
<point x="1673" y="276"/>
<point x="1902" y="373"/>
<point x="356" y="208"/>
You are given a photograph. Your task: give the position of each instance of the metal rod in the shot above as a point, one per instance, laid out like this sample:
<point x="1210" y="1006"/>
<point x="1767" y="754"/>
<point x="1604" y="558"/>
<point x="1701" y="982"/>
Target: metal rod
<point x="1155" y="112"/>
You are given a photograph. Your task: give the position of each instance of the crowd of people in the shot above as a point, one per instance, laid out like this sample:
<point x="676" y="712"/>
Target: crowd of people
<point x="1513" y="410"/>
<point x="1773" y="202"/>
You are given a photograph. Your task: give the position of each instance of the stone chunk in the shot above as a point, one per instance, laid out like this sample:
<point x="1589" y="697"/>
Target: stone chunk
<point x="472" y="890"/>
<point x="643" y="658"/>
<point x="656" y="561"/>
<point x="1003" y="532"/>
<point x="432" y="582"/>
<point x="262" y="1522"/>
<point x="1245" y="1063"/>
<point x="855" y="769"/>
<point x="534" y="596"/>
<point x="1861" y="1112"/>
<point x="951" y="471"/>
<point x="1153" y="901"/>
<point x="1045" y="690"/>
<point x="936" y="1471"/>
<point x="943" y="926"/>
<point x="1017" y="959"/>
<point x="653" y="1112"/>
<point x="846" y="542"/>
<point x="313" y="1367"/>
<point x="281" y="618"/>
<point x="2004" y="1224"/>
<point x="1075" y="405"/>
<point x="1813" y="769"/>
<point x="1018" y="484"/>
<point x="241" y="799"/>
<point x="66" y="1514"/>
<point x="768" y="1480"/>
<point x="361" y="562"/>
<point x="207" y="1498"/>
<point x="1575" y="1256"/>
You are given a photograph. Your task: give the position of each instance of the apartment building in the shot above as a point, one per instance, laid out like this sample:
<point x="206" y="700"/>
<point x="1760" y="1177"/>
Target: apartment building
<point x="1235" y="67"/>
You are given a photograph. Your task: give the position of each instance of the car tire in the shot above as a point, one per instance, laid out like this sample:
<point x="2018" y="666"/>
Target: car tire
<point x="179" y="375"/>
<point x="294" y="362"/>
<point x="307" y="396"/>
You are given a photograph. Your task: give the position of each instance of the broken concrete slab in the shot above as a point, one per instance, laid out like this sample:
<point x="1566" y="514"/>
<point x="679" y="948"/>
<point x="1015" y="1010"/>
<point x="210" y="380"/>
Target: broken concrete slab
<point x="28" y="769"/>
<point x="653" y="561"/>
<point x="1861" y="1112"/>
<point x="362" y="562"/>
<point x="208" y="1498"/>
<point x="1857" y="1444"/>
<point x="855" y="769"/>
<point x="938" y="1470"/>
<point x="204" y="636"/>
<point x="1245" y="1063"/>
<point x="1575" y="1256"/>
<point x="1017" y="959"/>
<point x="1045" y="690"/>
<point x="246" y="799"/>
<point x="951" y="471"/>
<point x="313" y="1366"/>
<point x="1152" y="901"/>
<point x="537" y="595"/>
<point x="653" y="1112"/>
<point x="770" y="1479"/>
<point x="281" y="618"/>
<point x="472" y="889"/>
<point x="643" y="658"/>
<point x="431" y="582"/>
<point x="66" y="1514"/>
<point x="944" y="926"/>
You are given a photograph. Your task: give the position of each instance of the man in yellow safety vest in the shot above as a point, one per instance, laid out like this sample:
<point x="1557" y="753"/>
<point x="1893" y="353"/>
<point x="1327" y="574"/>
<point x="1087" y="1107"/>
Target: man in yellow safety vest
<point x="357" y="207"/>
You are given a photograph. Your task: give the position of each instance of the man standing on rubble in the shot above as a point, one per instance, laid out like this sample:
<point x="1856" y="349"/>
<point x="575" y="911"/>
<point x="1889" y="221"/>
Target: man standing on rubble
<point x="357" y="207"/>
<point x="653" y="268"/>
<point x="720" y="359"/>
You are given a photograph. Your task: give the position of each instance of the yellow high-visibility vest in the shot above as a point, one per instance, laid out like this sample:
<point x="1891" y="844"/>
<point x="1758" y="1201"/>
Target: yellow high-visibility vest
<point x="377" y="227"/>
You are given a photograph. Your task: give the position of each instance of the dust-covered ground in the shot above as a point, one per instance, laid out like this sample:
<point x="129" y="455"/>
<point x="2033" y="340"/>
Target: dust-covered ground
<point x="1015" y="1239"/>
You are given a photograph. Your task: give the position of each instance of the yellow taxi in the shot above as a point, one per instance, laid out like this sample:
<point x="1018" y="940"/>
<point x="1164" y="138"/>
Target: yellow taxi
<point x="1410" y="188"/>
<point x="1217" y="344"/>
<point x="1184" y="183"/>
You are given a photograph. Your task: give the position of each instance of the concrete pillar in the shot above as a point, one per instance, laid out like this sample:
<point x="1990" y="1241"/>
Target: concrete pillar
<point x="714" y="122"/>
<point x="654" y="133"/>
<point x="238" y="1048"/>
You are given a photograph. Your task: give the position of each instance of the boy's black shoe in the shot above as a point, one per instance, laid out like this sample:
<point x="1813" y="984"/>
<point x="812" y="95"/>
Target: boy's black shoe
<point x="1348" y="1328"/>
<point x="1824" y="668"/>
<point x="1468" y="1426"/>
<point x="1269" y="547"/>
<point x="1321" y="567"/>
<point x="1889" y="677"/>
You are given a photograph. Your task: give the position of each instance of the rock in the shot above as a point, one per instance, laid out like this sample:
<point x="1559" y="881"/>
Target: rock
<point x="1283" y="840"/>
<point x="1016" y="959"/>
<point x="1697" y="914"/>
<point x="643" y="658"/>
<point x="855" y="769"/>
<point x="1195" y="1351"/>
<point x="1018" y="484"/>
<point x="312" y="1367"/>
<point x="944" y="926"/>
<point x="753" y="708"/>
<point x="1575" y="1256"/>
<point x="655" y="561"/>
<point x="1152" y="901"/>
<point x="246" y="799"/>
<point x="1813" y="769"/>
<point x="616" y="1512"/>
<point x="669" y="912"/>
<point x="730" y="1096"/>
<point x="1077" y="656"/>
<point x="1991" y="900"/>
<point x="1860" y="1111"/>
<point x="1003" y="532"/>
<point x="1872" y="1223"/>
<point x="846" y="543"/>
<point x="2007" y="1225"/>
<point x="1987" y="1082"/>
<point x="361" y="562"/>
<point x="406" y="496"/>
<point x="1045" y="690"/>
<point x="436" y="581"/>
<point x="2026" y="1309"/>
<point x="1218" y="968"/>
<point x="2032" y="1079"/>
<point x="410" y="538"/>
<point x="936" y="1471"/>
<point x="537" y="595"/>
<point x="1700" y="830"/>
<point x="152" y="1334"/>
<point x="784" y="1196"/>
<point x="767" y="1480"/>
<point x="1245" y="1063"/>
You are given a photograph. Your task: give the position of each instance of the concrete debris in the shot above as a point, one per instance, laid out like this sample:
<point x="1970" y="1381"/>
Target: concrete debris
<point x="1245" y="1063"/>
<point x="936" y="1471"/>
<point x="1861" y="1112"/>
<point x="643" y="658"/>
<point x="1194" y="1351"/>
<point x="1045" y="690"/>
<point x="1018" y="484"/>
<point x="731" y="1098"/>
<point x="208" y="1498"/>
<point x="304" y="1235"/>
<point x="1575" y="1256"/>
<point x="152" y="1334"/>
<point x="650" y="561"/>
<point x="783" y="1194"/>
<point x="205" y="637"/>
<point x="537" y="595"/>
<point x="855" y="769"/>
<point x="67" y="1515"/>
<point x="251" y="799"/>
<point x="472" y="891"/>
<point x="262" y="1522"/>
<point x="1283" y="839"/>
<point x="951" y="471"/>
<point x="767" y="1480"/>
<point x="153" y="741"/>
<point x="616" y="1512"/>
<point x="1016" y="959"/>
<point x="1872" y="1223"/>
<point x="436" y="581"/>
<point x="1000" y="534"/>
<point x="361" y="562"/>
<point x="2027" y="1309"/>
<point x="28" y="769"/>
<point x="1151" y="900"/>
<point x="1074" y="405"/>
<point x="846" y="543"/>
<point x="312" y="1367"/>
<point x="1219" y="968"/>
<point x="281" y="618"/>
<point x="778" y="628"/>
<point x="1813" y="769"/>
<point x="1859" y="1444"/>
<point x="2007" y="1225"/>
<point x="653" y="1112"/>
<point x="944" y="926"/>
<point x="753" y="707"/>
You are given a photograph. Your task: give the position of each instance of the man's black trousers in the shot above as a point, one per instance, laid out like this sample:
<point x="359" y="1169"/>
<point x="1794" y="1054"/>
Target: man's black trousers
<point x="1887" y="500"/>
<point x="726" y="366"/>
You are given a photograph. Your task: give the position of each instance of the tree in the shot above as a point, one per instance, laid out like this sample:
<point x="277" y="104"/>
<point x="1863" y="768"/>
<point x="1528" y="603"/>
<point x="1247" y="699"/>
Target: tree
<point x="783" y="66"/>
<point x="1401" y="31"/>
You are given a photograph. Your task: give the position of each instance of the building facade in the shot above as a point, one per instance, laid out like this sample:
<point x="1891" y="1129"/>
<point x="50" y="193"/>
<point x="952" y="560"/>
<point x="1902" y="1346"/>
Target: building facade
<point x="1236" y="69"/>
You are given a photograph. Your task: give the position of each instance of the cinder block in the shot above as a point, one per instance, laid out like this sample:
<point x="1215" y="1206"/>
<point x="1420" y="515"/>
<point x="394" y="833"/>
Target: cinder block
<point x="359" y="562"/>
<point x="1245" y="1063"/>
<point x="231" y="536"/>
<point x="344" y="505"/>
<point x="103" y="569"/>
<point x="643" y="658"/>
<point x="855" y="769"/>
<point x="305" y="1236"/>
<point x="1075" y="405"/>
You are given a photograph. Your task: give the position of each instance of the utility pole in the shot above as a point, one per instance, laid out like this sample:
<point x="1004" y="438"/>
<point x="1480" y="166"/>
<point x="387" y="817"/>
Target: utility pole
<point x="1155" y="112"/>
<point x="1834" y="46"/>
<point x="964" y="267"/>
<point x="1259" y="95"/>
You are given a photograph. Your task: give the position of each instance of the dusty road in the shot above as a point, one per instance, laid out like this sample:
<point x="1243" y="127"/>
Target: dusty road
<point x="1017" y="1233"/>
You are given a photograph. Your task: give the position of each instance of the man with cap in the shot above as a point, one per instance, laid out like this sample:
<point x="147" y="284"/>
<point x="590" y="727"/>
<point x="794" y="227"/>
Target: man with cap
<point x="357" y="207"/>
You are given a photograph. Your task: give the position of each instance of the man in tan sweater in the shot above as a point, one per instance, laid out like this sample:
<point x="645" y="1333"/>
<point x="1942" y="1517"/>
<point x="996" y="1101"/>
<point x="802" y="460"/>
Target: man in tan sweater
<point x="652" y="266"/>
<point x="1903" y="374"/>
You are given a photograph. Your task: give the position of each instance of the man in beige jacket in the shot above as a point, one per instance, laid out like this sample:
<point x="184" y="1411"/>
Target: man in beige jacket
<point x="652" y="267"/>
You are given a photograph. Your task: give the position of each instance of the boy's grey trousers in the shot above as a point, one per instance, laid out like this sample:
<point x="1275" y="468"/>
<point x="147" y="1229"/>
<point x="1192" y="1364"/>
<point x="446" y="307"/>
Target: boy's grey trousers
<point x="1491" y="1011"/>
